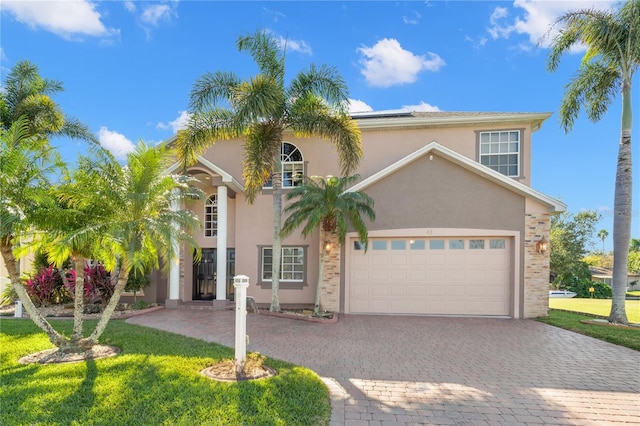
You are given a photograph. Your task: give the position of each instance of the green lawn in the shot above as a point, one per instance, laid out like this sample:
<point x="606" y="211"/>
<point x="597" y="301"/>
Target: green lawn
<point x="628" y="336"/>
<point x="600" y="307"/>
<point x="155" y="380"/>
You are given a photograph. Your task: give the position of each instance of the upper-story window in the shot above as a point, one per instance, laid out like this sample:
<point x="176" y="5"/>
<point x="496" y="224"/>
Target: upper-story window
<point x="501" y="151"/>
<point x="292" y="166"/>
<point x="211" y="216"/>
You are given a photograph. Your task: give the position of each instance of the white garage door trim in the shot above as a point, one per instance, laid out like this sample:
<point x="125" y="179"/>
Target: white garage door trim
<point x="445" y="233"/>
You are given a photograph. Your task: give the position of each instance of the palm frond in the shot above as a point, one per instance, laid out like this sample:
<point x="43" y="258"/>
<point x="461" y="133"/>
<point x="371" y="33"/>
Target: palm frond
<point x="340" y="130"/>
<point x="212" y="89"/>
<point x="262" y="150"/>
<point x="323" y="81"/>
<point x="595" y="86"/>
<point x="265" y="51"/>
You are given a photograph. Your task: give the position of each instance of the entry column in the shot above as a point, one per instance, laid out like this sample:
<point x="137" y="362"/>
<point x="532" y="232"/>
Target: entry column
<point x="221" y="265"/>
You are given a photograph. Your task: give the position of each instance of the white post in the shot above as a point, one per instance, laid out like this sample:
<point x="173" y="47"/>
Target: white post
<point x="18" y="312"/>
<point x="240" y="283"/>
<point x="221" y="266"/>
<point x="174" y="266"/>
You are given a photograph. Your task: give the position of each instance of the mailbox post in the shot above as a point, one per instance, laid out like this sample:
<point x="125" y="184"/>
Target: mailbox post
<point x="240" y="283"/>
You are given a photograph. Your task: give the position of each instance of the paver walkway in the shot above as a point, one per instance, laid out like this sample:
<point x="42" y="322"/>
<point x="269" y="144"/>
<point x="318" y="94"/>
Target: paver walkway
<point x="394" y="370"/>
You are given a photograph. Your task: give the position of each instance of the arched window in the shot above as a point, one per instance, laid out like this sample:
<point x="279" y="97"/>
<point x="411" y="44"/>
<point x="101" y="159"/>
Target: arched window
<point x="292" y="166"/>
<point x="211" y="216"/>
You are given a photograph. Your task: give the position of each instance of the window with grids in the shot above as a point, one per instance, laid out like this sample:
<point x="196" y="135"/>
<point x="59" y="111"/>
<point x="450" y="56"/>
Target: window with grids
<point x="501" y="151"/>
<point x="292" y="166"/>
<point x="211" y="216"/>
<point x="291" y="264"/>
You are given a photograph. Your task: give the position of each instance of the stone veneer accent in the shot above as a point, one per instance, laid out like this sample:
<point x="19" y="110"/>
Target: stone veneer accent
<point x="330" y="296"/>
<point x="536" y="266"/>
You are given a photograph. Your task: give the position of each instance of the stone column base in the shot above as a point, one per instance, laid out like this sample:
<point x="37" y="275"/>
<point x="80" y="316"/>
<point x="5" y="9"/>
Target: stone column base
<point x="171" y="303"/>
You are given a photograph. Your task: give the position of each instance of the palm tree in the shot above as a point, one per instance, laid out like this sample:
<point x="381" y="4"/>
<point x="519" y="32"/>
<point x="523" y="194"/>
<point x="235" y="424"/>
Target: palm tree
<point x="26" y="169"/>
<point x="127" y="221"/>
<point x="261" y="109"/>
<point x="603" y="234"/>
<point x="325" y="202"/>
<point x="612" y="57"/>
<point x="26" y="93"/>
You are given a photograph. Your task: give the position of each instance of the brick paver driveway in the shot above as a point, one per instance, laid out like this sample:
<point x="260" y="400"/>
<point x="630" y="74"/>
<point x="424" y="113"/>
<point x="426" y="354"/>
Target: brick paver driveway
<point x="452" y="371"/>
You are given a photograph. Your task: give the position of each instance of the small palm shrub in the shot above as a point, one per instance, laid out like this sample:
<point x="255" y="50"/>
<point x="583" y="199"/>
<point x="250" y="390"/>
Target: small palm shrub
<point x="8" y="295"/>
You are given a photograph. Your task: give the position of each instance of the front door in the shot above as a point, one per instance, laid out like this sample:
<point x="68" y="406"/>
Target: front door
<point x="204" y="276"/>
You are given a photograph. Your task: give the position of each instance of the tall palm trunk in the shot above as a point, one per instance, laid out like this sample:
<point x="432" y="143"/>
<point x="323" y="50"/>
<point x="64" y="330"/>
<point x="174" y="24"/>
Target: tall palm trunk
<point x="276" y="249"/>
<point x="323" y="253"/>
<point x="622" y="213"/>
<point x="123" y="277"/>
<point x="11" y="264"/>
<point x="78" y="298"/>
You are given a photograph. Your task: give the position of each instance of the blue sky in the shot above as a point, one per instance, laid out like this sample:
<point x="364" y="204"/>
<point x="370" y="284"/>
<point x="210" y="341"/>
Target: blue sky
<point x="128" y="68"/>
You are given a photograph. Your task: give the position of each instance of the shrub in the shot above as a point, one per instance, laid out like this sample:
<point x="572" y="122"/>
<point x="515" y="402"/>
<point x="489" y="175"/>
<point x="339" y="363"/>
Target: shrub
<point x="47" y="287"/>
<point x="97" y="284"/>
<point x="140" y="304"/>
<point x="8" y="295"/>
<point x="136" y="282"/>
<point x="581" y="288"/>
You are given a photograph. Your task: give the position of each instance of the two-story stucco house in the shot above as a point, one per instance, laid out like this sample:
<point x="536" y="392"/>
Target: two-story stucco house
<point x="457" y="229"/>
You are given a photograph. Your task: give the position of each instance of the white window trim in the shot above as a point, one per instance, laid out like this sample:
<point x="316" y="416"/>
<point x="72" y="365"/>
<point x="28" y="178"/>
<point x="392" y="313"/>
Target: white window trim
<point x="518" y="153"/>
<point x="262" y="269"/>
<point x="211" y="202"/>
<point x="296" y="166"/>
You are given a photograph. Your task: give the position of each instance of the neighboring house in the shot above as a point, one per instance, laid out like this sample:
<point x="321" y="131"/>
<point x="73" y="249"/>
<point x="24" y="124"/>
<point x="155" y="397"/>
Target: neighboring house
<point x="605" y="275"/>
<point x="456" y="230"/>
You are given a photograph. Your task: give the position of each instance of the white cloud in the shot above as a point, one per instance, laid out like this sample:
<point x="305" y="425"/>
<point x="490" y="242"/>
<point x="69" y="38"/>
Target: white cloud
<point x="294" y="45"/>
<point x="422" y="107"/>
<point x="356" y="105"/>
<point x="130" y="6"/>
<point x="539" y="16"/>
<point x="154" y="13"/>
<point x="115" y="142"/>
<point x="177" y="124"/>
<point x="387" y="64"/>
<point x="64" y="18"/>
<point x="412" y="20"/>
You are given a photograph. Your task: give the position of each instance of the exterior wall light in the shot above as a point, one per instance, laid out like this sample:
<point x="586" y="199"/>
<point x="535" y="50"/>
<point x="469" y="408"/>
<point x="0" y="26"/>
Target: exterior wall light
<point x="327" y="247"/>
<point x="542" y="245"/>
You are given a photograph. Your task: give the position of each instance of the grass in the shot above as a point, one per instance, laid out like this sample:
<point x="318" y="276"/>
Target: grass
<point x="633" y="293"/>
<point x="600" y="307"/>
<point x="155" y="380"/>
<point x="629" y="337"/>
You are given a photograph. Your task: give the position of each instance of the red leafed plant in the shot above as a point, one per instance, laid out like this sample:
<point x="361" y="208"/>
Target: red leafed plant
<point x="47" y="287"/>
<point x="97" y="284"/>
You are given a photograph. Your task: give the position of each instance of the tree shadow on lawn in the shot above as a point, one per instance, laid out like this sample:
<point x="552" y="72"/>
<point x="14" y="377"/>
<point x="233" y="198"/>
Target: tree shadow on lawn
<point x="147" y="383"/>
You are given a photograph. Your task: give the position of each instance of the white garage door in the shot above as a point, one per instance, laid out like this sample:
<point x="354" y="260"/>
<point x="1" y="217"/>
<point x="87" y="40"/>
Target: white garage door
<point x="439" y="276"/>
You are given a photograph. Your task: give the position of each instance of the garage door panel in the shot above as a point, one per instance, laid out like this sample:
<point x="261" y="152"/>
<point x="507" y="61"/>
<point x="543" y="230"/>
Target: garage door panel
<point x="416" y="259"/>
<point x="398" y="275"/>
<point x="456" y="275"/>
<point x="398" y="290"/>
<point x="417" y="275"/>
<point x="377" y="290"/>
<point x="415" y="290"/>
<point x="434" y="279"/>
